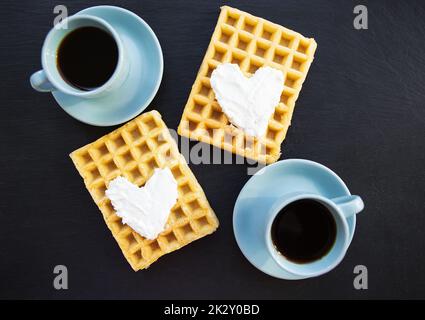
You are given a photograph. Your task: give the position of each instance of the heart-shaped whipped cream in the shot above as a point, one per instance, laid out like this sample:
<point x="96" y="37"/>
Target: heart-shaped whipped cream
<point x="144" y="209"/>
<point x="247" y="102"/>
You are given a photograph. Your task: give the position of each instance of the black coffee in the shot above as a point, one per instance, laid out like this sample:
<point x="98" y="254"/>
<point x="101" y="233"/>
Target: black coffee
<point x="304" y="231"/>
<point x="87" y="57"/>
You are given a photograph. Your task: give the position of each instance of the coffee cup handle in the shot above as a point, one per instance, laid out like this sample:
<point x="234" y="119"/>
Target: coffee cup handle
<point x="349" y="205"/>
<point x="40" y="82"/>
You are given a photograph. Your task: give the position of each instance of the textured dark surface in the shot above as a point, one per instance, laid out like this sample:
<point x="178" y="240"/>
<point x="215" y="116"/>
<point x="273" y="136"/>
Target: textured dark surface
<point x="361" y="112"/>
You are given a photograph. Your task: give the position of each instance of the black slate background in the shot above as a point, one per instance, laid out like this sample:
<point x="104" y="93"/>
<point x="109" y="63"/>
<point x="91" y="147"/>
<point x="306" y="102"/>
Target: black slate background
<point x="361" y="112"/>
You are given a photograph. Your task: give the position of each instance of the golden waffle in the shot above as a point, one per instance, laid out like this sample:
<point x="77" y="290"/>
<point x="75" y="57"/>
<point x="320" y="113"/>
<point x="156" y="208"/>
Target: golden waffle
<point x="251" y="42"/>
<point x="133" y="151"/>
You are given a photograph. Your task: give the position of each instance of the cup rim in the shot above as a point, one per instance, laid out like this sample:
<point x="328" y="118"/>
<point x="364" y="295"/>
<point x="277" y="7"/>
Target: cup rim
<point x="277" y="257"/>
<point x="65" y="87"/>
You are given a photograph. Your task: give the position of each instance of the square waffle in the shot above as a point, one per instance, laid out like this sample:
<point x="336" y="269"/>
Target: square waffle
<point x="251" y="42"/>
<point x="134" y="151"/>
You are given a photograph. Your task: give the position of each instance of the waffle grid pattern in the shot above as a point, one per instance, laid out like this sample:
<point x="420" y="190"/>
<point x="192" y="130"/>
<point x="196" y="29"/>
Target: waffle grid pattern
<point x="134" y="151"/>
<point x="251" y="42"/>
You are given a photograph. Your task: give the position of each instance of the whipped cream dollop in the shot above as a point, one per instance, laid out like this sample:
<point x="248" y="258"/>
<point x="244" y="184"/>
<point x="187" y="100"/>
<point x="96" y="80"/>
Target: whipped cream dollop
<point x="247" y="102"/>
<point x="144" y="209"/>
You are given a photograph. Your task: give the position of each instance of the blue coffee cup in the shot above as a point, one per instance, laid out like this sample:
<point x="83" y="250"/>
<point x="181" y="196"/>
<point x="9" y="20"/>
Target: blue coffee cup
<point x="340" y="208"/>
<point x="50" y="79"/>
<point x="274" y="188"/>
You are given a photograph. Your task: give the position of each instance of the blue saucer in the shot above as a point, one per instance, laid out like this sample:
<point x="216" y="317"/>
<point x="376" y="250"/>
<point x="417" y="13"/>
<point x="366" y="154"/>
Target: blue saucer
<point x="143" y="80"/>
<point x="263" y="189"/>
